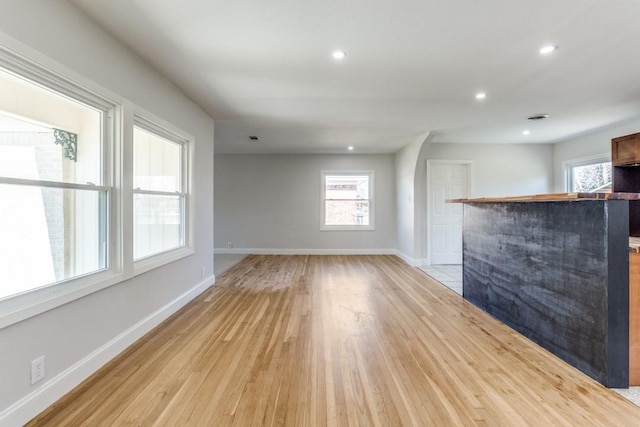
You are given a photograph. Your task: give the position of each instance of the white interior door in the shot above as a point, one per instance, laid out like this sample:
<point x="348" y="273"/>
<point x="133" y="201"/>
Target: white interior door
<point x="446" y="181"/>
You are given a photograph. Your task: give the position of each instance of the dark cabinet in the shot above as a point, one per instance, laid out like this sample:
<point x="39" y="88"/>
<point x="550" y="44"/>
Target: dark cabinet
<point x="625" y="158"/>
<point x="625" y="150"/>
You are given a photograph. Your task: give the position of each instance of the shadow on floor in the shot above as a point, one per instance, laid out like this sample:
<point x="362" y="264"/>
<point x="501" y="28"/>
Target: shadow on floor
<point x="223" y="262"/>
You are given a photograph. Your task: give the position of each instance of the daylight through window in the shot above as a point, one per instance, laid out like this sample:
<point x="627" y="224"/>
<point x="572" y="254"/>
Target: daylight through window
<point x="55" y="196"/>
<point x="347" y="201"/>
<point x="159" y="192"/>
<point x="590" y="178"/>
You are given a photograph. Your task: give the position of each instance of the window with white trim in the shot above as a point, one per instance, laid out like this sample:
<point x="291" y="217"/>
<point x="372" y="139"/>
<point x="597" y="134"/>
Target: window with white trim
<point x="55" y="181"/>
<point x="590" y="175"/>
<point x="160" y="189"/>
<point x="347" y="200"/>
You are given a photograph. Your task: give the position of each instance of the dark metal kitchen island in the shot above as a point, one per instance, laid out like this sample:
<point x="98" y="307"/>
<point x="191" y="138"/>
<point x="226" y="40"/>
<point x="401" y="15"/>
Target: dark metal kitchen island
<point x="556" y="269"/>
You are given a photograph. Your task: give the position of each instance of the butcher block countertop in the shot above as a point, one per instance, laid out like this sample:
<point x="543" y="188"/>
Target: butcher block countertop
<point x="634" y="242"/>
<point x="554" y="197"/>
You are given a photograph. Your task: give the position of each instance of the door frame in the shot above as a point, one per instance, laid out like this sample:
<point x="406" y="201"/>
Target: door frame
<point x="470" y="192"/>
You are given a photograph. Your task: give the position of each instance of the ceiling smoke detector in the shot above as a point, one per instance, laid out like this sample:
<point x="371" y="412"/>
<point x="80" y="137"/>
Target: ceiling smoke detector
<point x="538" y="117"/>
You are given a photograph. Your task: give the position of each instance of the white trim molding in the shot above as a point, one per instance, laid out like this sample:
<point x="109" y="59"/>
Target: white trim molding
<point x="273" y="251"/>
<point x="414" y="262"/>
<point x="370" y="174"/>
<point x="568" y="165"/>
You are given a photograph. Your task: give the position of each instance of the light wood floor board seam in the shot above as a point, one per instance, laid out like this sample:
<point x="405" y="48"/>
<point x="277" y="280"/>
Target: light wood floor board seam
<point x="310" y="340"/>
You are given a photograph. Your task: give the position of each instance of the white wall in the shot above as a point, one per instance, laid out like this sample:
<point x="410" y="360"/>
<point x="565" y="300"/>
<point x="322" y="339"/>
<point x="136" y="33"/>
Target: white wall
<point x="501" y="170"/>
<point x="498" y="170"/>
<point x="589" y="145"/>
<point x="253" y="207"/>
<point x="272" y="203"/>
<point x="77" y="337"/>
<point x="409" y="201"/>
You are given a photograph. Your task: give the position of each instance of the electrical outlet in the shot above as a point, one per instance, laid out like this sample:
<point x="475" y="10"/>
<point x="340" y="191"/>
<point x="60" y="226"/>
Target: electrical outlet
<point x="37" y="369"/>
<point x="202" y="273"/>
<point x="229" y="245"/>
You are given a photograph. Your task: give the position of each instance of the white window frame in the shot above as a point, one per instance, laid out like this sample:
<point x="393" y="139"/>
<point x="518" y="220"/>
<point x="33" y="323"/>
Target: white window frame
<point x="323" y="225"/>
<point x="160" y="128"/>
<point x="30" y="303"/>
<point x="568" y="166"/>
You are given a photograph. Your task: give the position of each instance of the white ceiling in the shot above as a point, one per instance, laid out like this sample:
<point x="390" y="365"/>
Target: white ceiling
<point x="264" y="67"/>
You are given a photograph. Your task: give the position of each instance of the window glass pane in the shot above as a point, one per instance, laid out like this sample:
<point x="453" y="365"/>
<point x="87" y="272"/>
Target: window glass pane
<point x="157" y="224"/>
<point x="347" y="212"/>
<point x="591" y="178"/>
<point x="347" y="187"/>
<point x="53" y="234"/>
<point x="45" y="136"/>
<point x="156" y="162"/>
<point x="347" y="200"/>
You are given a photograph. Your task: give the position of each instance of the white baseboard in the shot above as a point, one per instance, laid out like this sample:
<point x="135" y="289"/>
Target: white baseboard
<point x="268" y="251"/>
<point x="40" y="399"/>
<point x="414" y="262"/>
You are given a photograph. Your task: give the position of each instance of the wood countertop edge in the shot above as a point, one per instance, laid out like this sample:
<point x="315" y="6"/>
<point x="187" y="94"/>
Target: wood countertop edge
<point x="553" y="197"/>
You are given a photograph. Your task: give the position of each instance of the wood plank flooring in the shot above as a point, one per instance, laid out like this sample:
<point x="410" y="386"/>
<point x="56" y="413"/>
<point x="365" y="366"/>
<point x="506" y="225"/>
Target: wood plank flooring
<point x="336" y="340"/>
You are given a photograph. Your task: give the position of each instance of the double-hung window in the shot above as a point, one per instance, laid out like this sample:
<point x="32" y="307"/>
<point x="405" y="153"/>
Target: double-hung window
<point x="347" y="200"/>
<point x="160" y="189"/>
<point x="65" y="218"/>
<point x="589" y="175"/>
<point x="55" y="180"/>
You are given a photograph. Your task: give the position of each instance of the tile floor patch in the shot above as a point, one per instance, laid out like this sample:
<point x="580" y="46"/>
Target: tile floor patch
<point x="448" y="275"/>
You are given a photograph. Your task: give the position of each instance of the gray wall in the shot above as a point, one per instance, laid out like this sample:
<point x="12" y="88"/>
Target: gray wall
<point x="272" y="203"/>
<point x="77" y="337"/>
<point x="406" y="162"/>
<point x="411" y="199"/>
<point x="501" y="170"/>
<point x="589" y="145"/>
<point x="498" y="170"/>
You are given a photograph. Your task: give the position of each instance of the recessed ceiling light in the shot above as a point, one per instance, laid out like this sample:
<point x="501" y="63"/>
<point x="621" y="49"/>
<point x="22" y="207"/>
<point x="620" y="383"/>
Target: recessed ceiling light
<point x="526" y="132"/>
<point x="481" y="95"/>
<point x="538" y="117"/>
<point x="350" y="148"/>
<point x="339" y="54"/>
<point x="546" y="50"/>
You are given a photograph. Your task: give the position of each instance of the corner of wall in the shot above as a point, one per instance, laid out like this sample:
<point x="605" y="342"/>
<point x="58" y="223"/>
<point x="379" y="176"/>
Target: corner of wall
<point x="407" y="166"/>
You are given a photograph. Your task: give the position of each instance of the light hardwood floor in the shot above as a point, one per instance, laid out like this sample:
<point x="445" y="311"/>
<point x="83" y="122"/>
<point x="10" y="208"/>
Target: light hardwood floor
<point x="336" y="340"/>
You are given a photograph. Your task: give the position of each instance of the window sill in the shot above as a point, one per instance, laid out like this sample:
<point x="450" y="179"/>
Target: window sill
<point x="20" y="307"/>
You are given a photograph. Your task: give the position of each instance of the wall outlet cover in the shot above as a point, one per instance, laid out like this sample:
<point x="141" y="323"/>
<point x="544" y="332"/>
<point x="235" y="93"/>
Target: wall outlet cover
<point x="37" y="369"/>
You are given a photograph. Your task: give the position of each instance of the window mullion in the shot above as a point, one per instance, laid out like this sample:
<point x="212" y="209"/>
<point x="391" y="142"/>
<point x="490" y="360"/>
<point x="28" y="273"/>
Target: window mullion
<point x="53" y="184"/>
<point x="158" y="193"/>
